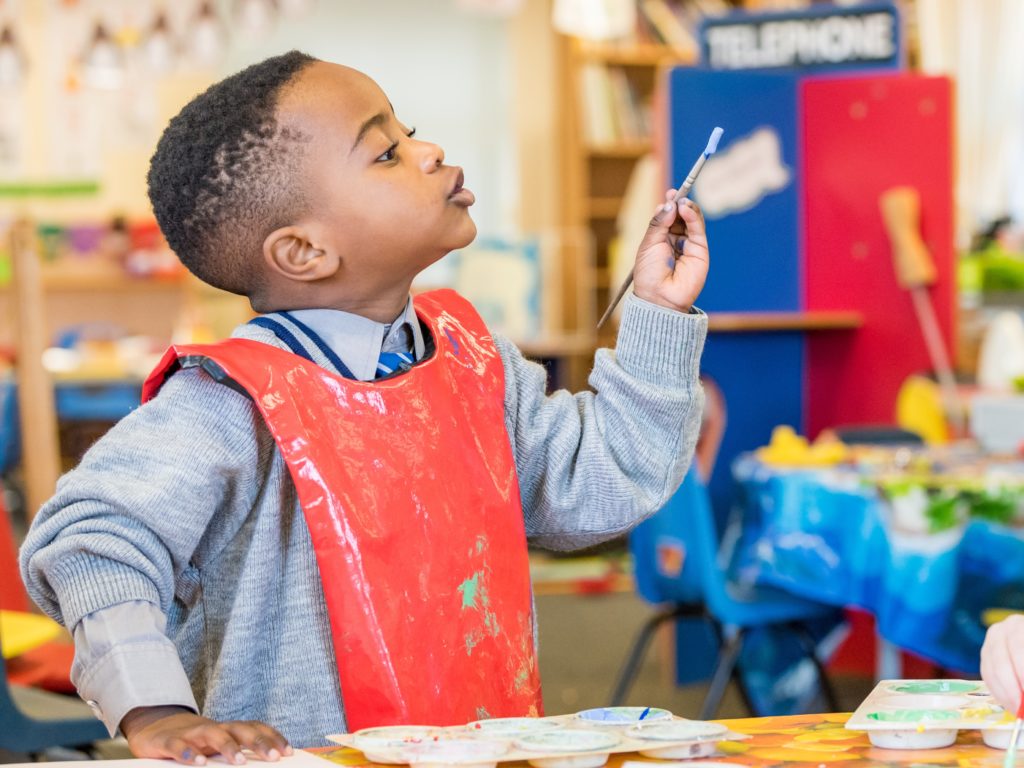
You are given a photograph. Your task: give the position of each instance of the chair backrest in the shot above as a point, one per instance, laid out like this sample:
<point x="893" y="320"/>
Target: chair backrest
<point x="675" y="552"/>
<point x="12" y="593"/>
<point x="10" y="440"/>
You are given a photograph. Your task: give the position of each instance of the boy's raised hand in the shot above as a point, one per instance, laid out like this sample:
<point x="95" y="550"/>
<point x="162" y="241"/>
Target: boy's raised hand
<point x="672" y="260"/>
<point x="1002" y="661"/>
<point x="182" y="735"/>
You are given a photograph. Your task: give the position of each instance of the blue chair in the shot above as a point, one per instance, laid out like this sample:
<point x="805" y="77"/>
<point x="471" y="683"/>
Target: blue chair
<point x="32" y="720"/>
<point x="676" y="556"/>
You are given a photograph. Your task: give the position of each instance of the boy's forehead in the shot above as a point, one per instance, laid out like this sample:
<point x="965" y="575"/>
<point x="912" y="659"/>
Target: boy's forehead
<point x="333" y="95"/>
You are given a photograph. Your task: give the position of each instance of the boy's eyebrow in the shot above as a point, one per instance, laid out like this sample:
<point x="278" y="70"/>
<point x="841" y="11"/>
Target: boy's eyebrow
<point x="379" y="119"/>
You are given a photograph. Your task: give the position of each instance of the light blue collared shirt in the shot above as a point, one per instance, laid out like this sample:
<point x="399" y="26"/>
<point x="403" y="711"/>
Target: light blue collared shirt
<point x="358" y="341"/>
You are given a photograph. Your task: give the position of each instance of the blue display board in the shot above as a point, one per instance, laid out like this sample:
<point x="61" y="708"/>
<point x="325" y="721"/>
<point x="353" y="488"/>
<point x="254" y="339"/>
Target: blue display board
<point x="748" y="189"/>
<point x="750" y="193"/>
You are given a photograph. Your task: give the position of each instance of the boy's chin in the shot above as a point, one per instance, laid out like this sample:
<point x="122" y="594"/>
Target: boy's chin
<point x="465" y="235"/>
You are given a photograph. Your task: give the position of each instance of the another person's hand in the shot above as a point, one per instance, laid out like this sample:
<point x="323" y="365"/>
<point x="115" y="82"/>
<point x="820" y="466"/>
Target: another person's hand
<point x="1002" y="662"/>
<point x="672" y="260"/>
<point x="180" y="734"/>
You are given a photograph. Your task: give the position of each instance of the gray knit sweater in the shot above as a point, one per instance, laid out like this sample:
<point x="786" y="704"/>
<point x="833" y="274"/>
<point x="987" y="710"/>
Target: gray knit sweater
<point x="187" y="505"/>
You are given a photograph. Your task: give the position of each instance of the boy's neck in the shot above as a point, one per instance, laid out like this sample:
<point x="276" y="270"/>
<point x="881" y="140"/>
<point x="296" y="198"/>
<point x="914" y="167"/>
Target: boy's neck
<point x="382" y="307"/>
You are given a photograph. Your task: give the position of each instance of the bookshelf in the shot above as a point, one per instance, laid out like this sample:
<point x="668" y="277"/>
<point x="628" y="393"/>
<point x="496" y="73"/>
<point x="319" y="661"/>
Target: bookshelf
<point x="606" y="123"/>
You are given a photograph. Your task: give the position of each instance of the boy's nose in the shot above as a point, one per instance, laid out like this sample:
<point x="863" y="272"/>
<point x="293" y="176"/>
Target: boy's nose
<point x="432" y="157"/>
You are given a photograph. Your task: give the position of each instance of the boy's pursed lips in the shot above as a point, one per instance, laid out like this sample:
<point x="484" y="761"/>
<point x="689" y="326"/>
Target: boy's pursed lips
<point x="459" y="194"/>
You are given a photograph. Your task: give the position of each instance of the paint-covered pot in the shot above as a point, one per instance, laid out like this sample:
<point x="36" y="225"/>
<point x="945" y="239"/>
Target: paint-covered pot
<point x="590" y="745"/>
<point x="463" y="752"/>
<point x="622" y="716"/>
<point x="511" y="727"/>
<point x="383" y="744"/>
<point x="694" y="738"/>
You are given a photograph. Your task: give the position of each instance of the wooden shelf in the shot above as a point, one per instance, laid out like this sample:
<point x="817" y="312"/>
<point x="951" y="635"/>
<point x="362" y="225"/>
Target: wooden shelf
<point x="738" y="322"/>
<point x="559" y="345"/>
<point x="603" y="207"/>
<point x="110" y="283"/>
<point x="626" y="150"/>
<point x="632" y="55"/>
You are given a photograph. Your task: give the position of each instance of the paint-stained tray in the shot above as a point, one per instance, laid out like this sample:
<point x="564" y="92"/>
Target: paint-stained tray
<point x="928" y="714"/>
<point x="583" y="740"/>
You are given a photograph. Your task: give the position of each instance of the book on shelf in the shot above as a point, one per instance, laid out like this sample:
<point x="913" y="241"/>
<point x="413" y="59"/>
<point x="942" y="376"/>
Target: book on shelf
<point x="670" y="27"/>
<point x="598" y="109"/>
<point x="613" y="110"/>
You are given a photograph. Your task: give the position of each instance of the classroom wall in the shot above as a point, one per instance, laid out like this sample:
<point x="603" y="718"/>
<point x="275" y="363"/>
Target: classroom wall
<point x="446" y="70"/>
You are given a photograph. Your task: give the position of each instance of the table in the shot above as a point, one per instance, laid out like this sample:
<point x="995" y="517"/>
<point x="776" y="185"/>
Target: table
<point x="834" y="536"/>
<point x="807" y="741"/>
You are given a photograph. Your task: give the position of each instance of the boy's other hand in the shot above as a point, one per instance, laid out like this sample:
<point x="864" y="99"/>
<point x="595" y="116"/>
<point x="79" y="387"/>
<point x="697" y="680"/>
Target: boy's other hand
<point x="1002" y="662"/>
<point x="672" y="260"/>
<point x="180" y="734"/>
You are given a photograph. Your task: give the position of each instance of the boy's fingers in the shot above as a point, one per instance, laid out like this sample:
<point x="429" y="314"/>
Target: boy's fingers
<point x="997" y="668"/>
<point x="692" y="217"/>
<point x="183" y="751"/>
<point x="260" y="738"/>
<point x="217" y="739"/>
<point x="658" y="226"/>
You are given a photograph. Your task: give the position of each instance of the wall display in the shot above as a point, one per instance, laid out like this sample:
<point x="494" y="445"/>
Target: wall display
<point x="820" y="38"/>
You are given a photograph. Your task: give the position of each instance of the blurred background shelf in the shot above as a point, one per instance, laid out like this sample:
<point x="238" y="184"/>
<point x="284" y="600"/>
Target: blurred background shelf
<point x="738" y="322"/>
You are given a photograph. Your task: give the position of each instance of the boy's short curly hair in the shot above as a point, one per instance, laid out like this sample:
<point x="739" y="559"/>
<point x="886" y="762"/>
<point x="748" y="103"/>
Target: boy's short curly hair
<point x="225" y="174"/>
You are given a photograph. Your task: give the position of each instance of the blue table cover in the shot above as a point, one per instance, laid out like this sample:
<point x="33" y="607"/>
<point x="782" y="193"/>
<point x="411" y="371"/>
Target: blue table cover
<point x="828" y="536"/>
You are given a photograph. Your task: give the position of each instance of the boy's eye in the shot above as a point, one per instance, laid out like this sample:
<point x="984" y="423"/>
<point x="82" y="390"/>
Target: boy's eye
<point x="390" y="155"/>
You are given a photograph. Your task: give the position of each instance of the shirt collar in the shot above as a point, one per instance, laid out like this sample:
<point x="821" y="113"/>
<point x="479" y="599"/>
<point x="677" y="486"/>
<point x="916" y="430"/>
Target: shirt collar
<point x="357" y="340"/>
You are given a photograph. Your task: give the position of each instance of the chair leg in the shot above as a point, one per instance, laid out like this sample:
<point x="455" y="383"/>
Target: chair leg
<point x="741" y="685"/>
<point x="807" y="641"/>
<point x="723" y="674"/>
<point x="636" y="654"/>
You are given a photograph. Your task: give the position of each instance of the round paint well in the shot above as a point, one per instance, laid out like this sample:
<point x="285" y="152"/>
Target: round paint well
<point x="699" y="739"/>
<point x="936" y="686"/>
<point x="678" y="730"/>
<point x="923" y="701"/>
<point x="512" y="726"/>
<point x="569" y="740"/>
<point x="382" y="744"/>
<point x="913" y="715"/>
<point x="592" y="760"/>
<point x="999" y="738"/>
<point x="913" y="739"/>
<point x="464" y="752"/>
<point x="623" y="715"/>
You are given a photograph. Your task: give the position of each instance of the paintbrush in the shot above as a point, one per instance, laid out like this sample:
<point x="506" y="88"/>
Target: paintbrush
<point x="684" y="190"/>
<point x="1011" y="751"/>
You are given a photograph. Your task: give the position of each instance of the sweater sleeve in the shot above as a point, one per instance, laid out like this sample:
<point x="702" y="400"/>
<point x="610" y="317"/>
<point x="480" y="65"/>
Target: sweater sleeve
<point x="127" y="522"/>
<point x="593" y="465"/>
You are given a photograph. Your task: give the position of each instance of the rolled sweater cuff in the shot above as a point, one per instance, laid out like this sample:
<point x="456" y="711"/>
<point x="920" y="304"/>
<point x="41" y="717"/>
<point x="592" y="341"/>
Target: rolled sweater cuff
<point x="85" y="586"/>
<point x="660" y="345"/>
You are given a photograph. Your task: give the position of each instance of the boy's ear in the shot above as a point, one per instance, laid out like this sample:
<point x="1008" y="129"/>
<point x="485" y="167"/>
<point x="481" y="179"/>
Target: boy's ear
<point x="291" y="253"/>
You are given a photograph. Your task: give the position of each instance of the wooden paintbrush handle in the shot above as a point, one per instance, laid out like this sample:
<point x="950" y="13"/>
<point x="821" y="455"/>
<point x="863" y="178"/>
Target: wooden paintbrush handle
<point x="901" y="213"/>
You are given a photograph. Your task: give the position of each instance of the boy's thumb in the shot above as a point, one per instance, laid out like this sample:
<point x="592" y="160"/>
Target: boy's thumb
<point x="658" y="226"/>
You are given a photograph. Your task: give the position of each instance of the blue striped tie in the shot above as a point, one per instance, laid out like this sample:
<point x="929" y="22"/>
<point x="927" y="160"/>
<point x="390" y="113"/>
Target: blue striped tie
<point x="389" y="362"/>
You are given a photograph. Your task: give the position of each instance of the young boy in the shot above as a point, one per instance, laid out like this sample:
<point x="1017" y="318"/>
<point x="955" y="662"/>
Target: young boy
<point x="277" y="538"/>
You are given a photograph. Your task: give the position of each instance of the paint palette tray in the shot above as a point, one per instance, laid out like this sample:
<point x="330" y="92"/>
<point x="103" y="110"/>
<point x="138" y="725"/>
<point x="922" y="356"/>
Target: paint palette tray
<point x="583" y="740"/>
<point x="928" y="714"/>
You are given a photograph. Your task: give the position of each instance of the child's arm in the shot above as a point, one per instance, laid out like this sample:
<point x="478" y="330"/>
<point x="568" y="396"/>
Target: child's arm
<point x="1002" y="661"/>
<point x="591" y="466"/>
<point x="107" y="554"/>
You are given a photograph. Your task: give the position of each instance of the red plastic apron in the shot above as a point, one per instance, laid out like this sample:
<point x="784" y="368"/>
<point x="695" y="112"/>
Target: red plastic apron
<point x="409" y="490"/>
